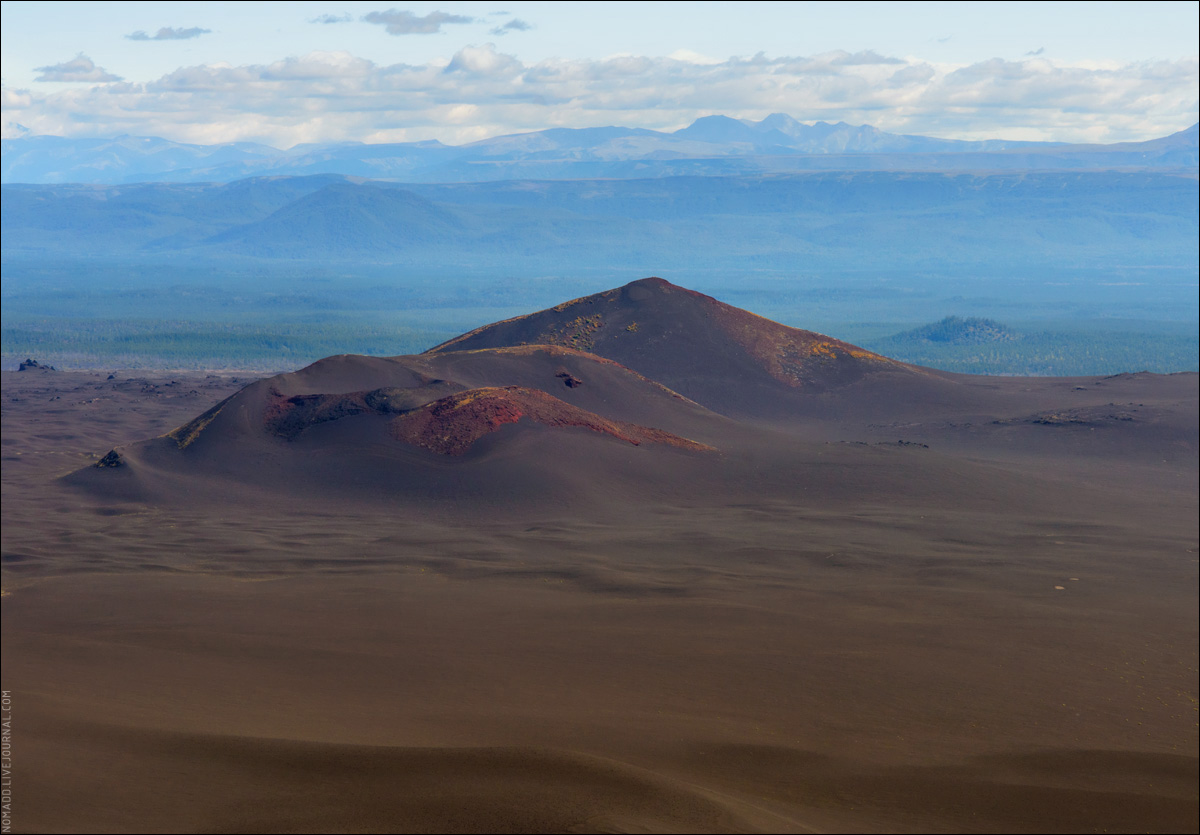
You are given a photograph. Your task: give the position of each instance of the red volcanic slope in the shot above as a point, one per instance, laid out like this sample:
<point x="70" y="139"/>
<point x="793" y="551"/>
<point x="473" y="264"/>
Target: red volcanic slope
<point x="723" y="357"/>
<point x="503" y="426"/>
<point x="550" y="385"/>
<point x="453" y="424"/>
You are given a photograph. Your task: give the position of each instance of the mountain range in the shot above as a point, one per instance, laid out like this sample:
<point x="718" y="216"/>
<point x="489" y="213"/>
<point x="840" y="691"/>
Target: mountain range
<point x="712" y="145"/>
<point x="895" y="220"/>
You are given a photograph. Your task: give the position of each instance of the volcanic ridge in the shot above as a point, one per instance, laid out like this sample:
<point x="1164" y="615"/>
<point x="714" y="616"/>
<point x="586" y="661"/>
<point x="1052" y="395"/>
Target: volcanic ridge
<point x="609" y="363"/>
<point x="544" y="404"/>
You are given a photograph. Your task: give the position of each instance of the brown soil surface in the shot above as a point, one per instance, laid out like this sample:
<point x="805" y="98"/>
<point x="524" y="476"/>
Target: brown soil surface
<point x="909" y="601"/>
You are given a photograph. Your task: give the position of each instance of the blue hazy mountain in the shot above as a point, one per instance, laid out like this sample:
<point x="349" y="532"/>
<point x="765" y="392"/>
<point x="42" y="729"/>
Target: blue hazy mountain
<point x="342" y="220"/>
<point x="873" y="219"/>
<point x="710" y="146"/>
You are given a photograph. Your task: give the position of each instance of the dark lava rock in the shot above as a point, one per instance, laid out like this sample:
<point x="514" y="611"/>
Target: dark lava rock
<point x="113" y="459"/>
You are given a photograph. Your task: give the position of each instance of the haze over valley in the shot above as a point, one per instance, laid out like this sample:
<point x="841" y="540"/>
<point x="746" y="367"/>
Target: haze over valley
<point x="1100" y="257"/>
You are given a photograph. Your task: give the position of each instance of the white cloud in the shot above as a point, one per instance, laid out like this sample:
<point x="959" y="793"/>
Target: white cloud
<point x="484" y="61"/>
<point x="79" y="68"/>
<point x="693" y="57"/>
<point x="514" y="25"/>
<point x="398" y="22"/>
<point x="480" y="92"/>
<point x="867" y="58"/>
<point x="12" y="99"/>
<point x="169" y="33"/>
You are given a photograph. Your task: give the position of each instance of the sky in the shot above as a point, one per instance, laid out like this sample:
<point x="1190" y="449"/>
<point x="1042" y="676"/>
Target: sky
<point x="300" y="72"/>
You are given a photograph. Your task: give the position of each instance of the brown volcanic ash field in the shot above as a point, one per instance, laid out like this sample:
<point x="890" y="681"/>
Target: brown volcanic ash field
<point x="641" y="562"/>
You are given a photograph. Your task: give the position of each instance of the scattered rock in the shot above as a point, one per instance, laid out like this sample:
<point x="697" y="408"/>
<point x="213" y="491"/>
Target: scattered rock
<point x="34" y="365"/>
<point x="113" y="459"/>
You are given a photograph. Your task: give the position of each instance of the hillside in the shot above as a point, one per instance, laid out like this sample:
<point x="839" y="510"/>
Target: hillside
<point x="727" y="359"/>
<point x="632" y="395"/>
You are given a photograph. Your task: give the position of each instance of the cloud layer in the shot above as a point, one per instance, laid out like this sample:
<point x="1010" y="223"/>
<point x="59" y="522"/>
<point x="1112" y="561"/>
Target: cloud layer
<point x="481" y="92"/>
